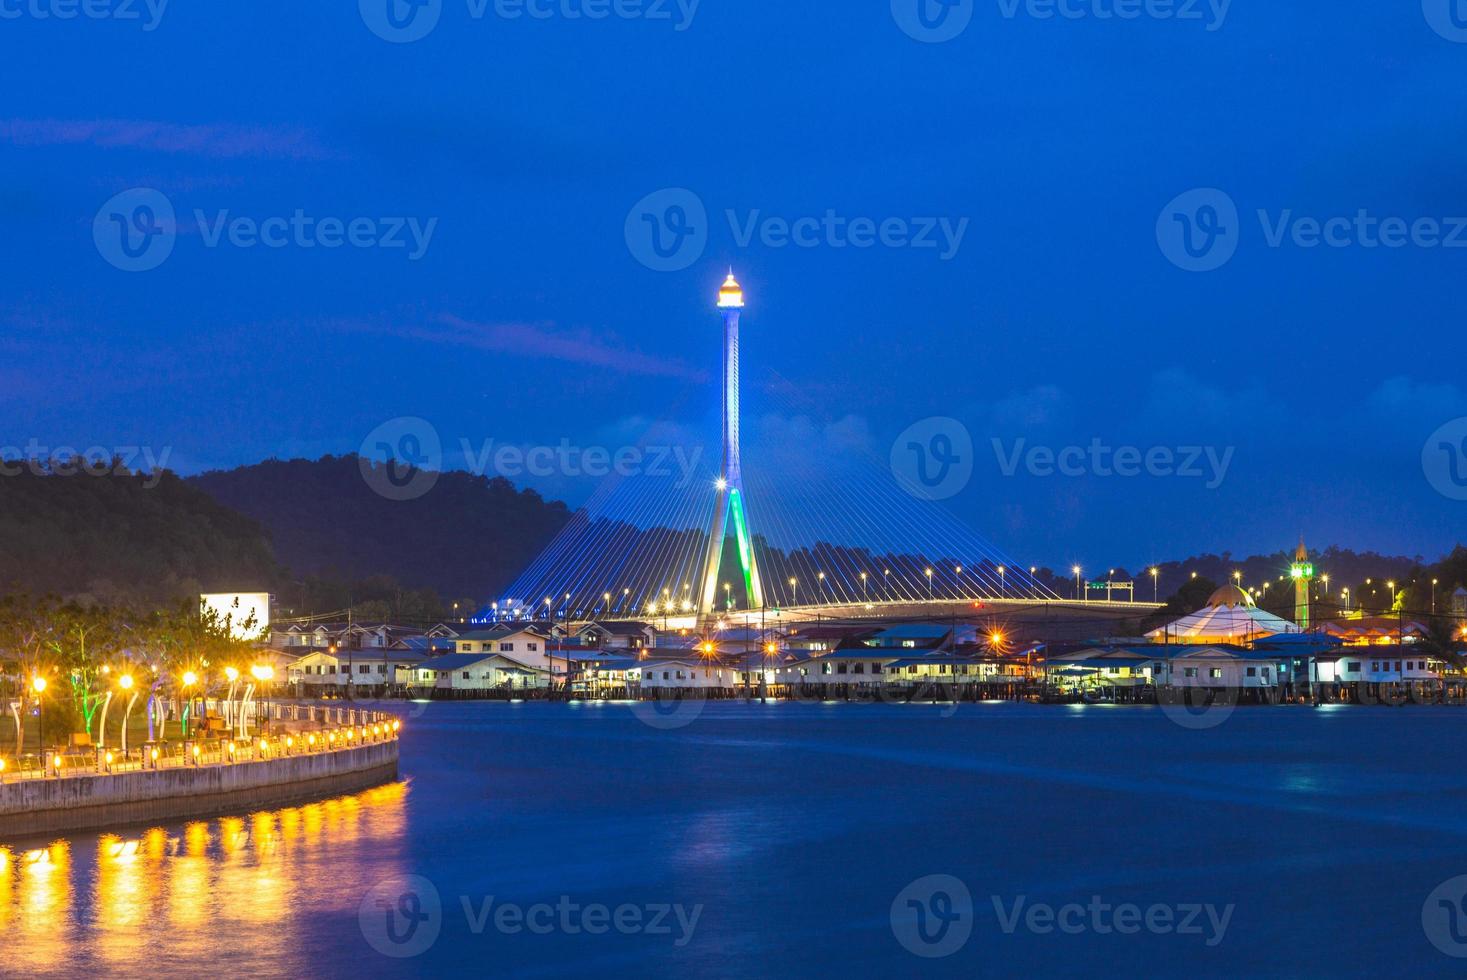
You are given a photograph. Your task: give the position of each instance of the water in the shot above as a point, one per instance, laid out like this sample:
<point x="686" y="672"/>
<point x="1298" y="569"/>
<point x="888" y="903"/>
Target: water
<point x="789" y="830"/>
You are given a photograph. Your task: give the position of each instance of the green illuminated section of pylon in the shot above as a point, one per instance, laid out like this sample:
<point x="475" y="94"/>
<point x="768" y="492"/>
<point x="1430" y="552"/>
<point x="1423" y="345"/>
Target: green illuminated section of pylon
<point x="746" y="552"/>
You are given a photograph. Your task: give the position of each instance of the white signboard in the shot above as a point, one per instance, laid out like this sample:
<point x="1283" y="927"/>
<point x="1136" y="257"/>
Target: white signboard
<point x="236" y="609"/>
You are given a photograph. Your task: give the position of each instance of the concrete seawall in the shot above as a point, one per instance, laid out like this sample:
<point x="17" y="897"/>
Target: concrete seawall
<point x="43" y="807"/>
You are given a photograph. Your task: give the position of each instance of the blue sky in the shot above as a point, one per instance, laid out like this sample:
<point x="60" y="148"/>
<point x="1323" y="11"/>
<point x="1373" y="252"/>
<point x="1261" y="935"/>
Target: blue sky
<point x="529" y="319"/>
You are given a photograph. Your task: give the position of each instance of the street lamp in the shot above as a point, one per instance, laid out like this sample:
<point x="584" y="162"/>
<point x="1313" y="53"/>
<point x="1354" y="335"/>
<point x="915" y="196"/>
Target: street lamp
<point x="958" y="580"/>
<point x="1001" y="570"/>
<point x="125" y="682"/>
<point x="929" y="585"/>
<point x="1155" y="593"/>
<point x="886" y="583"/>
<point x="1433" y="596"/>
<point x="189" y="680"/>
<point x="1345" y="595"/>
<point x="1392" y="587"/>
<point x="1076" y="570"/>
<point x="38" y="684"/>
<point x="794" y="591"/>
<point x="232" y="675"/>
<point x="865" y="590"/>
<point x="823" y="592"/>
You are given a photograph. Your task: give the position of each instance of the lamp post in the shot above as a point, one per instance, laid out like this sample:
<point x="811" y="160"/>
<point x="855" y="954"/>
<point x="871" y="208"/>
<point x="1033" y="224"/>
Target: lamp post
<point x="1076" y="570"/>
<point x="1433" y="596"/>
<point x="1345" y="595"/>
<point x="1002" y="590"/>
<point x="886" y="583"/>
<point x="38" y="685"/>
<point x="1155" y="586"/>
<point x="865" y="589"/>
<point x="1392" y="587"/>
<point x="189" y="680"/>
<point x="794" y="592"/>
<point x="958" y="580"/>
<point x="929" y="585"/>
<point x="824" y="594"/>
<point x="125" y="682"/>
<point x="264" y="673"/>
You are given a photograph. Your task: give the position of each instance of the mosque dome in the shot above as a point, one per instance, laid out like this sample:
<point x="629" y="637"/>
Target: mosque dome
<point x="1228" y="596"/>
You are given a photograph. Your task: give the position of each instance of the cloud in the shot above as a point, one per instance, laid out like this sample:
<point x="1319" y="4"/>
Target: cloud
<point x="541" y="341"/>
<point x="219" y="140"/>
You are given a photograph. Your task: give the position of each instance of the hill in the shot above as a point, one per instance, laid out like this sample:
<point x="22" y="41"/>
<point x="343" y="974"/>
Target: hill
<point x="124" y="535"/>
<point x="468" y="536"/>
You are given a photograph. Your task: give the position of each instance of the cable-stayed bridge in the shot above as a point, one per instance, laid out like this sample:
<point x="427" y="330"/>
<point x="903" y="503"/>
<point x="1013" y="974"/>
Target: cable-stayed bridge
<point x="816" y="526"/>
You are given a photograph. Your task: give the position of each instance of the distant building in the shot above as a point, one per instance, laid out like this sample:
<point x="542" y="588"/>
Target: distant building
<point x="1230" y="616"/>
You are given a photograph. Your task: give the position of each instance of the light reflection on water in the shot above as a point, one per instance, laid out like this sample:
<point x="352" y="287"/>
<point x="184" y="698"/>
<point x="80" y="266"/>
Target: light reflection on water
<point x="114" y="902"/>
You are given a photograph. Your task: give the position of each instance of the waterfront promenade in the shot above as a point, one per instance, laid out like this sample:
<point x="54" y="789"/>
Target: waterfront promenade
<point x="304" y="752"/>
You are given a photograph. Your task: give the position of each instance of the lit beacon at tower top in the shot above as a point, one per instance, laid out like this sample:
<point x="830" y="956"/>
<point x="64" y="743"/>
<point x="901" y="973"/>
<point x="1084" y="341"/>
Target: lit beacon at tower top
<point x="731" y="294"/>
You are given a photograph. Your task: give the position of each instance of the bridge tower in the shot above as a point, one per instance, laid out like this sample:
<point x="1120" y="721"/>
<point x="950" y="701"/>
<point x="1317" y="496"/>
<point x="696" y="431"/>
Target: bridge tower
<point x="731" y="505"/>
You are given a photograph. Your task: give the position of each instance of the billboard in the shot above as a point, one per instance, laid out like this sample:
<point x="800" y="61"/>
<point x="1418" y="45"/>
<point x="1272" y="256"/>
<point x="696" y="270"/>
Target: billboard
<point x="235" y="608"/>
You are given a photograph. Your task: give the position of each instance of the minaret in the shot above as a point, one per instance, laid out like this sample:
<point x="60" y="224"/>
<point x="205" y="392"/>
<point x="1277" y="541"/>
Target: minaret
<point x="1302" y="572"/>
<point x="730" y="505"/>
